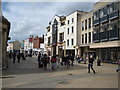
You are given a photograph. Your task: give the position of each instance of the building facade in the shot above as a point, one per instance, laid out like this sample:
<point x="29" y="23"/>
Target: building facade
<point x="4" y="33"/>
<point x="62" y="34"/>
<point x="106" y="31"/>
<point x="14" y="46"/>
<point x="86" y="35"/>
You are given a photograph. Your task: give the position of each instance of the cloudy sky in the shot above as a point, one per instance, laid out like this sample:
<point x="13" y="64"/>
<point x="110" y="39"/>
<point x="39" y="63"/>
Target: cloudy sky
<point x="31" y="18"/>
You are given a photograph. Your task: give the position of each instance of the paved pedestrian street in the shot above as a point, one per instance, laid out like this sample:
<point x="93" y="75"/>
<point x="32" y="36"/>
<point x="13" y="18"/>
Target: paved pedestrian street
<point x="26" y="74"/>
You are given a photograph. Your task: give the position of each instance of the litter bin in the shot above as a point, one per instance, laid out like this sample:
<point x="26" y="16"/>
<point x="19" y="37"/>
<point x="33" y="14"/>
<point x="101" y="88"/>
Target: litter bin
<point x="98" y="62"/>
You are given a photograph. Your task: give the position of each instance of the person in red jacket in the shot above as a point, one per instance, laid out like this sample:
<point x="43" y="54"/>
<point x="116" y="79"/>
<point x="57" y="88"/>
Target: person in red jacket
<point x="53" y="61"/>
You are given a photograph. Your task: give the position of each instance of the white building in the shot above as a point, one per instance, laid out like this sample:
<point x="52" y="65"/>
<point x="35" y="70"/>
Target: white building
<point x="27" y="45"/>
<point x="66" y="29"/>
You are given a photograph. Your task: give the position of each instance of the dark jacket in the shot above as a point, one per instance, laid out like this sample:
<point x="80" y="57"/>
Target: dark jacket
<point x="91" y="60"/>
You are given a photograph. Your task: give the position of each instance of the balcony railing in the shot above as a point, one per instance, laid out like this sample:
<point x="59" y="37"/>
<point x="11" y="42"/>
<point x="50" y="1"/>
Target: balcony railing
<point x="104" y="36"/>
<point x="114" y="34"/>
<point x="114" y="15"/>
<point x="95" y="22"/>
<point x="96" y="37"/>
<point x="104" y="19"/>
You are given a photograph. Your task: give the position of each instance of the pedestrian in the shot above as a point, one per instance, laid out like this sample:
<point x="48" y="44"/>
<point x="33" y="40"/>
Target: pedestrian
<point x="90" y="64"/>
<point x="85" y="59"/>
<point x="14" y="57"/>
<point x="53" y="61"/>
<point x="72" y="59"/>
<point x="67" y="61"/>
<point x="18" y="57"/>
<point x="45" y="62"/>
<point x="57" y="61"/>
<point x="39" y="60"/>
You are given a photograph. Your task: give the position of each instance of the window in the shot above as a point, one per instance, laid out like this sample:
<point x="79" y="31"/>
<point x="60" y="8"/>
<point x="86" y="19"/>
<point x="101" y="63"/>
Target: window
<point x="96" y="15"/>
<point x="68" y="21"/>
<point x="113" y="7"/>
<point x="72" y="41"/>
<point x="101" y="13"/>
<point x="72" y="20"/>
<point x="86" y="24"/>
<point x="72" y="29"/>
<point x="113" y="25"/>
<point x="61" y="37"/>
<point x="89" y="22"/>
<point x="48" y="40"/>
<point x="82" y="38"/>
<point x="68" y="31"/>
<point x="68" y="42"/>
<point x="86" y="38"/>
<point x="105" y="10"/>
<point x="82" y="25"/>
<point x="89" y="37"/>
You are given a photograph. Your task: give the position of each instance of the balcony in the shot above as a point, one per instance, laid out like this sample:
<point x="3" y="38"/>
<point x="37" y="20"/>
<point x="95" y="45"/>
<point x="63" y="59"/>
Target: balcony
<point x="96" y="37"/>
<point x="96" y="22"/>
<point x="104" y="19"/>
<point x="113" y="15"/>
<point x="104" y="36"/>
<point x="114" y="34"/>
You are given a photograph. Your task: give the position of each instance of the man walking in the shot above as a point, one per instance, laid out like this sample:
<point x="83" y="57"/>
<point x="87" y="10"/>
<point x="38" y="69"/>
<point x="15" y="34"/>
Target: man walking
<point x="90" y="64"/>
<point x="14" y="57"/>
<point x="18" y="57"/>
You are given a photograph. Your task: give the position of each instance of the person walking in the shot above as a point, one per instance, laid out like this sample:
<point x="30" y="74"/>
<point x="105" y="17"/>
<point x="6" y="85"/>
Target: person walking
<point x="18" y="57"/>
<point x="53" y="61"/>
<point x="39" y="60"/>
<point x="72" y="59"/>
<point x="14" y="57"/>
<point x="90" y="64"/>
<point x="46" y="61"/>
<point x="67" y="61"/>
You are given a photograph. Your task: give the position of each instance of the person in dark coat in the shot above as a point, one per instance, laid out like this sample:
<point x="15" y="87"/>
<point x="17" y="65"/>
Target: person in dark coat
<point x="72" y="59"/>
<point x="90" y="64"/>
<point x="14" y="57"/>
<point x="46" y="61"/>
<point x="18" y="57"/>
<point x="67" y="61"/>
<point x="39" y="60"/>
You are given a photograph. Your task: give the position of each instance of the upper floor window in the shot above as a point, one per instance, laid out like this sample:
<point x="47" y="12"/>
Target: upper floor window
<point x="72" y="20"/>
<point x="49" y="40"/>
<point x="82" y="25"/>
<point x="82" y="38"/>
<point x="72" y="41"/>
<point x="61" y="37"/>
<point x="68" y="21"/>
<point x="96" y="15"/>
<point x="89" y="37"/>
<point x="113" y="7"/>
<point x="86" y="24"/>
<point x="89" y="22"/>
<point x="72" y="29"/>
<point x="68" y="30"/>
<point x="113" y="25"/>
<point x="68" y="42"/>
<point x="86" y="38"/>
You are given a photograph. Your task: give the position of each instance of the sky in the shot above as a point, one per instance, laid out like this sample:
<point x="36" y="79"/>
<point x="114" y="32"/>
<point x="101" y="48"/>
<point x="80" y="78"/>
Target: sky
<point x="32" y="18"/>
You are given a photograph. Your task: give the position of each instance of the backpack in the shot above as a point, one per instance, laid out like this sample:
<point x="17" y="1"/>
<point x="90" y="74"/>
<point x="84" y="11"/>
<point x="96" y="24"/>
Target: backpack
<point x="53" y="60"/>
